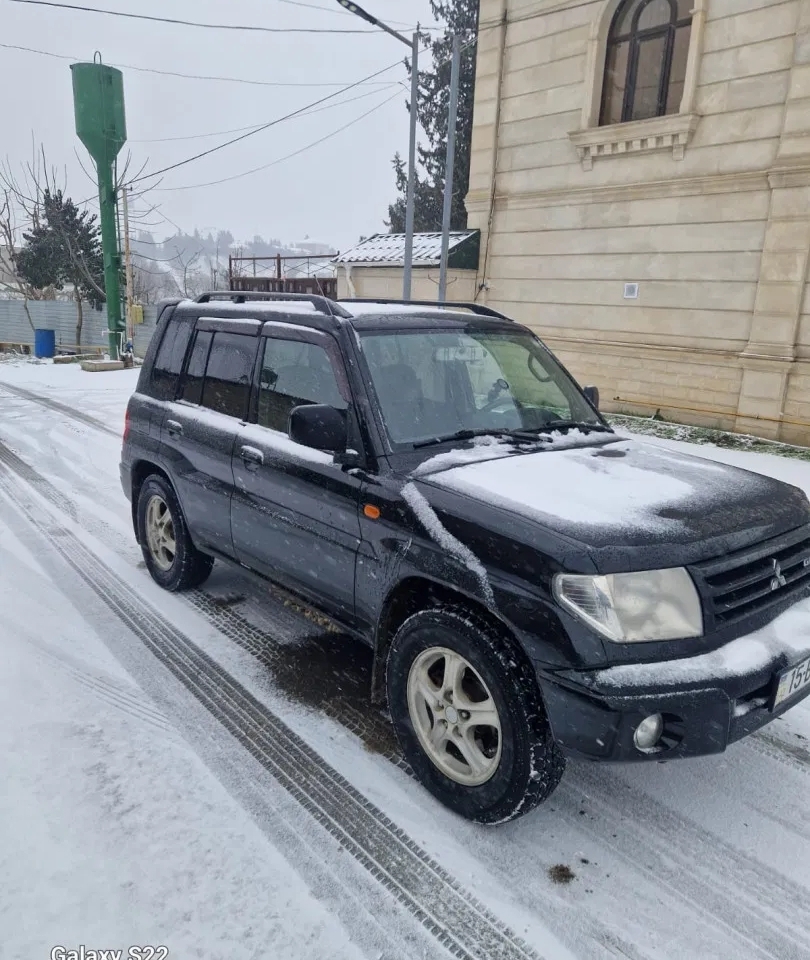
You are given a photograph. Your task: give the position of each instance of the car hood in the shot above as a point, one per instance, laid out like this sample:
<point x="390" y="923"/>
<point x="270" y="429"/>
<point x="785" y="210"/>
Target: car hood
<point x="632" y="504"/>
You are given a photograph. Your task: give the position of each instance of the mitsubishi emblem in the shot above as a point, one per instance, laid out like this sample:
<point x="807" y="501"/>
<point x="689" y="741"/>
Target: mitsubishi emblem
<point x="778" y="580"/>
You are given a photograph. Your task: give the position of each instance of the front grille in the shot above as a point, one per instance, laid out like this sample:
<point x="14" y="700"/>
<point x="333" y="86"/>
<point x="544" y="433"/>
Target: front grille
<point x="751" y="580"/>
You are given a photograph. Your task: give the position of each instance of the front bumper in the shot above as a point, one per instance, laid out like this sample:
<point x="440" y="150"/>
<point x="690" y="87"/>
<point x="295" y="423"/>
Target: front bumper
<point x="590" y="721"/>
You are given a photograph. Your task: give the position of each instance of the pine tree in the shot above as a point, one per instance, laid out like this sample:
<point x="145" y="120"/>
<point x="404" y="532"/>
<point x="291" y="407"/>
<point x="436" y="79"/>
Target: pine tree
<point x="460" y="17"/>
<point x="64" y="248"/>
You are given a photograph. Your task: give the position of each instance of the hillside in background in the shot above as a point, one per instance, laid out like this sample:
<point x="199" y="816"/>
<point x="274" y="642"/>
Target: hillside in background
<point x="187" y="264"/>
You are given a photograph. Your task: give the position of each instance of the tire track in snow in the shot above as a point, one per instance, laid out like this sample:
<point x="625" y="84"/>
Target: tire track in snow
<point x="265" y="648"/>
<point x="464" y="926"/>
<point x="696" y="887"/>
<point x="674" y="851"/>
<point x="63" y="408"/>
<point x="123" y="697"/>
<point x="760" y="910"/>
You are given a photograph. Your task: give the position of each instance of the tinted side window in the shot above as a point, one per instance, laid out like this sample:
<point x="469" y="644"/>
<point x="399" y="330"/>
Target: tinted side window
<point x="294" y="373"/>
<point x="195" y="372"/>
<point x="227" y="376"/>
<point x="170" y="356"/>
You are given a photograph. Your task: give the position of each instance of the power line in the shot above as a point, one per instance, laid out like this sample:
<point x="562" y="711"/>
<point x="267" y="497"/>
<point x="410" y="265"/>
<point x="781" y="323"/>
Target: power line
<point x="345" y="13"/>
<point x="471" y="42"/>
<point x="255" y="126"/>
<point x="251" y="28"/>
<point x="534" y="14"/>
<point x="289" y="156"/>
<point x="266" y="126"/>
<point x="171" y="73"/>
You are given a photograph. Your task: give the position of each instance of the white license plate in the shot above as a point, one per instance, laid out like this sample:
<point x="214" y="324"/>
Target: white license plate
<point x="792" y="681"/>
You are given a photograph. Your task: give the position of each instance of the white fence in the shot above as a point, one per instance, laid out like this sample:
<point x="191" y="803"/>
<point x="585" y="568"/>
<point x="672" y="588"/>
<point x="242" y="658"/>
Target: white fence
<point x="60" y="316"/>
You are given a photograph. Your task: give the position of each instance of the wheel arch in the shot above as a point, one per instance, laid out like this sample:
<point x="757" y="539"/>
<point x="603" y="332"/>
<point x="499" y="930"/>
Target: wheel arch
<point x="413" y="594"/>
<point x="141" y="469"/>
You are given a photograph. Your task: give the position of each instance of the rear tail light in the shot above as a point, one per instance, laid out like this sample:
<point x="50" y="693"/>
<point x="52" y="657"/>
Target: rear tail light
<point x="126" y="425"/>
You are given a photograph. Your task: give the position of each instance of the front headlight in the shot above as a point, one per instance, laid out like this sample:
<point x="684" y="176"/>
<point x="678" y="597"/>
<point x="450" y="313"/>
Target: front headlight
<point x="634" y="607"/>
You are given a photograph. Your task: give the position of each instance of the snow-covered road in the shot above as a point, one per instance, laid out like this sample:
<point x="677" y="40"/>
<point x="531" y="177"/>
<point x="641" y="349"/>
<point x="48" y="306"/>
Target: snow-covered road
<point x="204" y="771"/>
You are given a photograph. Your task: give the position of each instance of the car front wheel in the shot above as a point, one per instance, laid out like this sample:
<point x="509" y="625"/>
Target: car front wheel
<point x="171" y="557"/>
<point x="468" y="715"/>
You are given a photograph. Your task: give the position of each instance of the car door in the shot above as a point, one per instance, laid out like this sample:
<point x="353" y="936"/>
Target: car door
<point x="200" y="426"/>
<point x="294" y="514"/>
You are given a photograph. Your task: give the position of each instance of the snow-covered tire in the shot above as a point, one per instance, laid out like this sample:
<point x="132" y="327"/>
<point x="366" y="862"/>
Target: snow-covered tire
<point x="173" y="561"/>
<point x="527" y="766"/>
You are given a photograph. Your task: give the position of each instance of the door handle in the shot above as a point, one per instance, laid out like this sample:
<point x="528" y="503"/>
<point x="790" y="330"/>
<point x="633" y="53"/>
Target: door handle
<point x="250" y="455"/>
<point x="174" y="427"/>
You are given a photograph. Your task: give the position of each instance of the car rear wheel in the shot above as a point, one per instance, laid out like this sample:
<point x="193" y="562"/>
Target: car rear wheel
<point x="468" y="715"/>
<point x="171" y="557"/>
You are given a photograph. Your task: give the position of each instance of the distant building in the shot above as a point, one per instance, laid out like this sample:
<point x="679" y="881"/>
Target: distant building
<point x="374" y="267"/>
<point x="641" y="180"/>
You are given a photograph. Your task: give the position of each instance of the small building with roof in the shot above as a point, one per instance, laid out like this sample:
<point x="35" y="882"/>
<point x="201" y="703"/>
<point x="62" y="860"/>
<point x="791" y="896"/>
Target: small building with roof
<point x="374" y="267"/>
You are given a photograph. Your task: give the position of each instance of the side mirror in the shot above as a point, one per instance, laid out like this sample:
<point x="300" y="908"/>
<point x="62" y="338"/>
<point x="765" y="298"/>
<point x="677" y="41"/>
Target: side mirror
<point x="319" y="426"/>
<point x="592" y="393"/>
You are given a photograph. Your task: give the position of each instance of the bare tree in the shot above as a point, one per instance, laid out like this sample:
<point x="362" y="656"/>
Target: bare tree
<point x="193" y="277"/>
<point x="151" y="285"/>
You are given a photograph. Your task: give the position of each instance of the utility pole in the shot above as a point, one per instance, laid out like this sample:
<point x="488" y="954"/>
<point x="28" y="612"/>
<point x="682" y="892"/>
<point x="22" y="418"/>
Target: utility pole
<point x="410" y="201"/>
<point x="449" y="165"/>
<point x="128" y="266"/>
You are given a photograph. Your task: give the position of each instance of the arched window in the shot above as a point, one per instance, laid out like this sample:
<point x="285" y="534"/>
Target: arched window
<point x="645" y="65"/>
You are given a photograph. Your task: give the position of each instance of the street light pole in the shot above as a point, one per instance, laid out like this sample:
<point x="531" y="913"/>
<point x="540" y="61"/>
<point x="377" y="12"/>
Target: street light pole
<point x="410" y="201"/>
<point x="449" y="166"/>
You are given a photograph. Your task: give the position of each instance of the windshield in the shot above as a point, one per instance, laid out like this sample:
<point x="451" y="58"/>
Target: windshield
<point x="434" y="384"/>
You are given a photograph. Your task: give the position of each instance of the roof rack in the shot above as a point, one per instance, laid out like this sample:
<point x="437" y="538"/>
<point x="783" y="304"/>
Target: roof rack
<point x="322" y="304"/>
<point x="474" y="307"/>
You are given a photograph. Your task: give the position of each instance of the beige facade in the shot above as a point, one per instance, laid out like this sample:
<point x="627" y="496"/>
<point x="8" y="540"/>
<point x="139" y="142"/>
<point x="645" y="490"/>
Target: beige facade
<point x="373" y="280"/>
<point x="707" y="210"/>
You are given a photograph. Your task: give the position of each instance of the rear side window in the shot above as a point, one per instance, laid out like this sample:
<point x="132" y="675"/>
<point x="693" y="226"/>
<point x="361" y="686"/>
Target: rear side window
<point x="170" y="356"/>
<point x="226" y="387"/>
<point x="195" y="372"/>
<point x="294" y="373"/>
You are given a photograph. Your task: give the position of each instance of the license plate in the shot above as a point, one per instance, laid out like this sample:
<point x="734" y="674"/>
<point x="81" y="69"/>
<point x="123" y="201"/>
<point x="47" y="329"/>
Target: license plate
<point x="792" y="681"/>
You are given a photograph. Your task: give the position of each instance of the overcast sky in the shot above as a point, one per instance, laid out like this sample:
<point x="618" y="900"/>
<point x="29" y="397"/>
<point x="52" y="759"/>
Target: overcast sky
<point x="331" y="193"/>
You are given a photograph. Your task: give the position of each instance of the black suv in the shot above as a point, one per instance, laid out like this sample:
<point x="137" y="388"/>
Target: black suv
<point x="430" y="477"/>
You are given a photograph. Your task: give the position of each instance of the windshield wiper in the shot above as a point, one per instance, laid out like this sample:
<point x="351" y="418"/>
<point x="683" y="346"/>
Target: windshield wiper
<point x="517" y="436"/>
<point x="582" y="425"/>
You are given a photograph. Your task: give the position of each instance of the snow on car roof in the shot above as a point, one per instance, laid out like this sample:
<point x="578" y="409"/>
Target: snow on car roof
<point x="394" y="309"/>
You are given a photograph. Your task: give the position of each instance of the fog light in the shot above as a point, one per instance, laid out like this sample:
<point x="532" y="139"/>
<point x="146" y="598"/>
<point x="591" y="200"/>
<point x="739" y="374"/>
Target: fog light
<point x="648" y="733"/>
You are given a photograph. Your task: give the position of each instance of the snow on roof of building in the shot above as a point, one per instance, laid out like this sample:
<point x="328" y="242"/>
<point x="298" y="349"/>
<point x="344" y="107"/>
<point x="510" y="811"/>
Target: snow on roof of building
<point x="389" y="248"/>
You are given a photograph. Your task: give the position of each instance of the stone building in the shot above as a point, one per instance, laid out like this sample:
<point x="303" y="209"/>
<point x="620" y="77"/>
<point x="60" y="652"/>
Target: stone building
<point x="641" y="180"/>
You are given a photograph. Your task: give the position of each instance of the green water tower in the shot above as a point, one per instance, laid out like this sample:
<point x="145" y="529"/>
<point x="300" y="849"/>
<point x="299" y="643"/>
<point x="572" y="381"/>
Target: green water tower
<point x="98" y="101"/>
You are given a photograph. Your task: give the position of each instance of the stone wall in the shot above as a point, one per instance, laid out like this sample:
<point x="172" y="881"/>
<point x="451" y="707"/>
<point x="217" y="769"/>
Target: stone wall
<point x="707" y="210"/>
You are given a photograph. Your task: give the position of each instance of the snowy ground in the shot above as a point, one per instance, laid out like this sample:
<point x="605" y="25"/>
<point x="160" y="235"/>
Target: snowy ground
<point x="170" y="779"/>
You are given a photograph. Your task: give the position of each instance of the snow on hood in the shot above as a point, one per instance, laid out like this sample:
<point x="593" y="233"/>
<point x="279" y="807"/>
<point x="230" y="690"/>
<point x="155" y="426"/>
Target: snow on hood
<point x="590" y="486"/>
<point x="630" y="492"/>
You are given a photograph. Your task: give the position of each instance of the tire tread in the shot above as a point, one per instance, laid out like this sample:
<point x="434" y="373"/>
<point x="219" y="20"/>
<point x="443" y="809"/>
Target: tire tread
<point x="194" y="567"/>
<point x="547" y="762"/>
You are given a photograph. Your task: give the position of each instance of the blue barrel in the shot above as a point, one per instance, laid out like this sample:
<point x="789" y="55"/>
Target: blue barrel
<point x="44" y="343"/>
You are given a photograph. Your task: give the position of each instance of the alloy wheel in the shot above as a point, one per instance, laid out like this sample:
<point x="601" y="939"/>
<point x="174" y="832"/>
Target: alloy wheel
<point x="454" y="716"/>
<point x="160" y="534"/>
